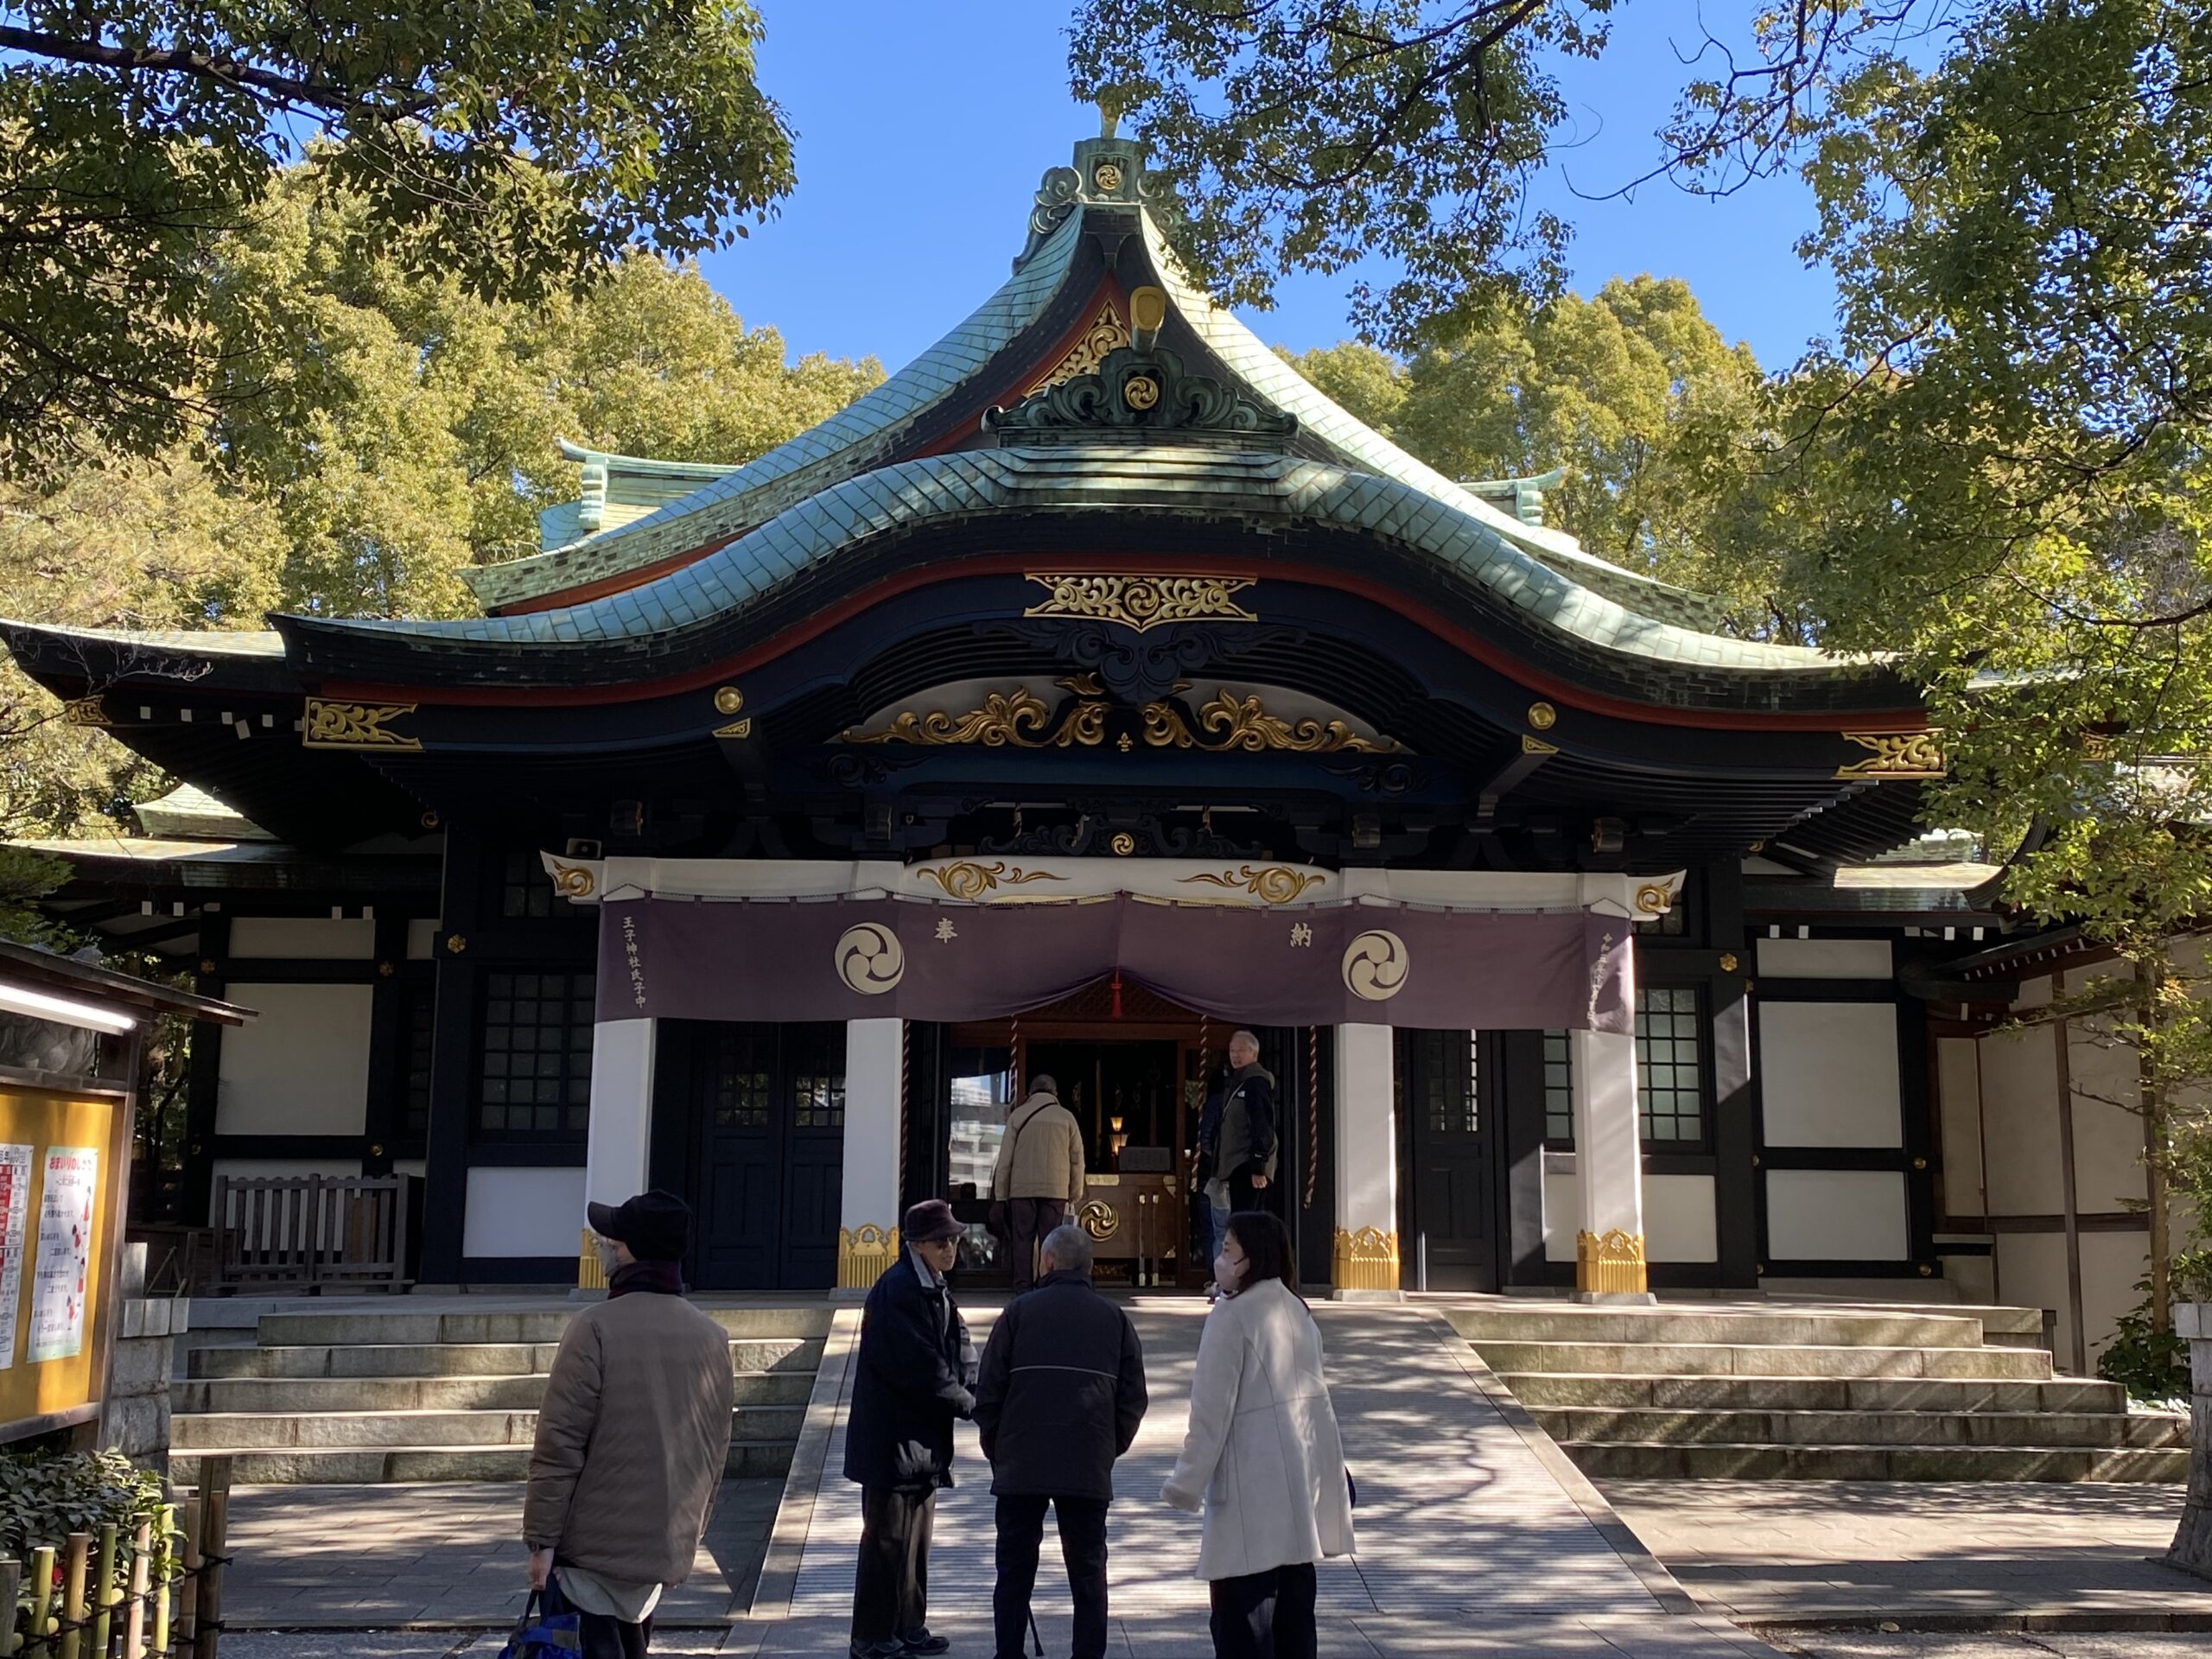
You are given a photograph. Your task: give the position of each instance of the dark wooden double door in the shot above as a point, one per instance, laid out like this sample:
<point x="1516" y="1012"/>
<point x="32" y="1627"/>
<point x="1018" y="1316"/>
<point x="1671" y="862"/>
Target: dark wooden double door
<point x="1448" y="1109"/>
<point x="749" y="1122"/>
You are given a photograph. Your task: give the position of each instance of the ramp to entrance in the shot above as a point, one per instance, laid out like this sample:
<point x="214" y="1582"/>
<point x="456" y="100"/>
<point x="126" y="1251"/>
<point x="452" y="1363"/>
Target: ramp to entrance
<point x="1466" y="1528"/>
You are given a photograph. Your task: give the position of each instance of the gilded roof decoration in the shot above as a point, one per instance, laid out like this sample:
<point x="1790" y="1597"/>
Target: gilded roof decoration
<point x="1895" y="754"/>
<point x="1145" y="392"/>
<point x="355" y="726"/>
<point x="1107" y="332"/>
<point x="1141" y="602"/>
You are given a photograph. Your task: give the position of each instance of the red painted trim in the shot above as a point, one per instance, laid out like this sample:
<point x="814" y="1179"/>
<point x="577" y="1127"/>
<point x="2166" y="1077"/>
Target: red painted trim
<point x="1468" y="642"/>
<point x="954" y="434"/>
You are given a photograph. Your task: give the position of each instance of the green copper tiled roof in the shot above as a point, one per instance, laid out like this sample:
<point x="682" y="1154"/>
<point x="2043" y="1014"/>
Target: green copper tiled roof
<point x="840" y="446"/>
<point x="1132" y="482"/>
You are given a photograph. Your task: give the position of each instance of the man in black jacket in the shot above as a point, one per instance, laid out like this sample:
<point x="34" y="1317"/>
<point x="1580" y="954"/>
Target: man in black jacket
<point x="1060" y="1397"/>
<point x="911" y="1379"/>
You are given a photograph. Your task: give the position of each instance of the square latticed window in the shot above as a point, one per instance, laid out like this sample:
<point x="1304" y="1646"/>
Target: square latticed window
<point x="415" y="1121"/>
<point x="535" y="1078"/>
<point x="1559" y="1090"/>
<point x="526" y="892"/>
<point x="1669" y="1063"/>
<point x="742" y="1067"/>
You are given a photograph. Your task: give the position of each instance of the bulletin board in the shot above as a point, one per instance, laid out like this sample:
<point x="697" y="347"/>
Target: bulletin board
<point x="62" y="1166"/>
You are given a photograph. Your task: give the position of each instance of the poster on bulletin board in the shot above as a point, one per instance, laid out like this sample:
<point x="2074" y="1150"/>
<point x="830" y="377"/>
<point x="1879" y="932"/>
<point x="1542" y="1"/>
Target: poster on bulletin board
<point x="61" y="1273"/>
<point x="15" y="1203"/>
<point x="60" y="1159"/>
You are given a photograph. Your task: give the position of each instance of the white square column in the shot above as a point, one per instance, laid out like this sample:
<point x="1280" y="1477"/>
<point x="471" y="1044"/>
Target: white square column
<point x="1365" y="1262"/>
<point x="1609" y="1255"/>
<point x="619" y="1132"/>
<point x="867" y="1215"/>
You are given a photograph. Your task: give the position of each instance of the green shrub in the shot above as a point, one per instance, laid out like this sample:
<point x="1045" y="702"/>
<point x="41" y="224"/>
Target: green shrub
<point x="44" y="1498"/>
<point x="2154" y="1365"/>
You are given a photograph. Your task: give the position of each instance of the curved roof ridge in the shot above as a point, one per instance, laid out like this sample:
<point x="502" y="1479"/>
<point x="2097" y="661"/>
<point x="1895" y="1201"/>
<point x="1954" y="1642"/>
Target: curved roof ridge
<point x="736" y="502"/>
<point x="1110" y="477"/>
<point x="1267" y="375"/>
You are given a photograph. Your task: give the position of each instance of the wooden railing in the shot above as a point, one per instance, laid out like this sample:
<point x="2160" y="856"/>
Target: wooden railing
<point x="303" y="1232"/>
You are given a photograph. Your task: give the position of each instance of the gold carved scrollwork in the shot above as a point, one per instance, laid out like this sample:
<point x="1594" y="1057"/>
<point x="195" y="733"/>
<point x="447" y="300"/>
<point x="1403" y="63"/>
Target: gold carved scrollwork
<point x="1237" y="722"/>
<point x="573" y="881"/>
<point x="355" y="726"/>
<point x="1142" y="602"/>
<point x="1611" y="1263"/>
<point x="1366" y="1260"/>
<point x="1107" y="333"/>
<point x="1272" y="884"/>
<point x="1098" y="1219"/>
<point x="84" y="711"/>
<point x="966" y="879"/>
<point x="1016" y="718"/>
<point x="1895" y="754"/>
<point x="1654" y="898"/>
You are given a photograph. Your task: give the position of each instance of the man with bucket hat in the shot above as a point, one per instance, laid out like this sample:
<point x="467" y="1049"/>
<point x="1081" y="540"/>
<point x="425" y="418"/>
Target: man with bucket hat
<point x="632" y="1437"/>
<point x="912" y="1375"/>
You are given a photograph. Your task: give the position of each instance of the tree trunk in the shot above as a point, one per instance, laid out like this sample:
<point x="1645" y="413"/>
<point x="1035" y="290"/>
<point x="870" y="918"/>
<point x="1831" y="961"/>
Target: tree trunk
<point x="2192" y="1545"/>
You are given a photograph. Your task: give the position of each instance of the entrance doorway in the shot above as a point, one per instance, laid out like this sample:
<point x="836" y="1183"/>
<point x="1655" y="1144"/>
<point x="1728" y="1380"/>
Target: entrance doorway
<point x="757" y="1114"/>
<point x="1447" y="1121"/>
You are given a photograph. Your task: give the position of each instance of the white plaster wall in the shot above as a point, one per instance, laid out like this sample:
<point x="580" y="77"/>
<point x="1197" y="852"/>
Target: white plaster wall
<point x="524" y="1212"/>
<point x="2019" y="1092"/>
<point x="2112" y="1265"/>
<point x="421" y="938"/>
<point x="1829" y="1073"/>
<point x="1824" y="958"/>
<point x="317" y="938"/>
<point x="2032" y="1273"/>
<point x="1836" y="1215"/>
<point x="414" y="1167"/>
<point x="302" y="1068"/>
<point x="1680" y="1218"/>
<point x="2107" y="1137"/>
<point x="1958" y="1122"/>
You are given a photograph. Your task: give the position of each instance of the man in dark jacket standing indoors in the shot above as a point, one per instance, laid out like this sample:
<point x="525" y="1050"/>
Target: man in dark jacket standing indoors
<point x="912" y="1374"/>
<point x="633" y="1436"/>
<point x="1061" y="1394"/>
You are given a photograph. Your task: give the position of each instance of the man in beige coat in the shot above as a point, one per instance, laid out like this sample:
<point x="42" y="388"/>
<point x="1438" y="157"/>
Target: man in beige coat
<point x="1038" y="1174"/>
<point x="632" y="1437"/>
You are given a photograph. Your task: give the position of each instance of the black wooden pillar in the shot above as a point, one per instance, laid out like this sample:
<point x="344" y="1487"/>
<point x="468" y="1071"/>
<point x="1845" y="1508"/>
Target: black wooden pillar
<point x="452" y="1051"/>
<point x="386" y="1103"/>
<point x="203" y="1088"/>
<point x="1735" y="1095"/>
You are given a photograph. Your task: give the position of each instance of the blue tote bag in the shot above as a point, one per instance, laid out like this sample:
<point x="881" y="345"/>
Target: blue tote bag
<point x="540" y="1635"/>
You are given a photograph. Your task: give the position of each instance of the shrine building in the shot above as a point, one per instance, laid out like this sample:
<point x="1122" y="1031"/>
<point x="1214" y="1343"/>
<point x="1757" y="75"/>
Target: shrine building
<point x="1092" y="688"/>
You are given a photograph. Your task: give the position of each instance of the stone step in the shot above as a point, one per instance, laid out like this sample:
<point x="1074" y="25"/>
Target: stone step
<point x="374" y="1327"/>
<point x="793" y="1354"/>
<point x="479" y="1392"/>
<point x="1728" y="1327"/>
<point x="380" y="1466"/>
<point x="1649" y="1462"/>
<point x="1714" y="1359"/>
<point x="1585" y="1425"/>
<point x="296" y="1430"/>
<point x="1542" y="1389"/>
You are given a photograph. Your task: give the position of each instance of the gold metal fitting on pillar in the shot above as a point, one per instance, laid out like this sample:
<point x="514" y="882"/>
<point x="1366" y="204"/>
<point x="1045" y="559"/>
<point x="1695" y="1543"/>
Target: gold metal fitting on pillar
<point x="590" y="1275"/>
<point x="1609" y="1263"/>
<point x="864" y="1253"/>
<point x="1366" y="1260"/>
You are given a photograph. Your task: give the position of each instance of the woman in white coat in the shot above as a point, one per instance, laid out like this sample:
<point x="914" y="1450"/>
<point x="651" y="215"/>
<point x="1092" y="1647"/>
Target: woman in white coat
<point x="1262" y="1451"/>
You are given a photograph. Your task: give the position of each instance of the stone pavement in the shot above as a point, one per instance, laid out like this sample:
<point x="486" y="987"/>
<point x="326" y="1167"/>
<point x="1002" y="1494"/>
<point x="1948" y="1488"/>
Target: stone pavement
<point x="1976" y="1555"/>
<point x="1470" y="1538"/>
<point x="380" y="1557"/>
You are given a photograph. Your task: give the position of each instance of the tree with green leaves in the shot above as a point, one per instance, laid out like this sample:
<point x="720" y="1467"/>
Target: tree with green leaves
<point x="520" y="149"/>
<point x="1653" y="416"/>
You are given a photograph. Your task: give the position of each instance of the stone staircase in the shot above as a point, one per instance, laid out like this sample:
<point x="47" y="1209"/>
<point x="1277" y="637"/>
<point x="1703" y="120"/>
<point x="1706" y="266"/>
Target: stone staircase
<point x="347" y="1397"/>
<point x="1685" y="1392"/>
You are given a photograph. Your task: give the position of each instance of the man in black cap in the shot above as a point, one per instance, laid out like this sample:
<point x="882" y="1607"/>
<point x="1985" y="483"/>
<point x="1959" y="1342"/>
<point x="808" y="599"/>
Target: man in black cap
<point x="913" y="1375"/>
<point x="632" y="1437"/>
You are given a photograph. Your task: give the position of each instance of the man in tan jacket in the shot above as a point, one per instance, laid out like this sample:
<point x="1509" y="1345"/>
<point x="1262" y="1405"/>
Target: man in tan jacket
<point x="632" y="1437"/>
<point x="1039" y="1173"/>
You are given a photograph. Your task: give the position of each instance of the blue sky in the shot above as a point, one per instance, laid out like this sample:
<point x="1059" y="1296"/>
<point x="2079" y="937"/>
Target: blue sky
<point x="924" y="126"/>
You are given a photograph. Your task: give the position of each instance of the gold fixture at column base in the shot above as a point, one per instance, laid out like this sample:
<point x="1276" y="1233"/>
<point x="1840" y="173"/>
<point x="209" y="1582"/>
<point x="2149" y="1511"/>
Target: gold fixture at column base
<point x="589" y="1275"/>
<point x="1611" y="1264"/>
<point x="1366" y="1260"/>
<point x="864" y="1253"/>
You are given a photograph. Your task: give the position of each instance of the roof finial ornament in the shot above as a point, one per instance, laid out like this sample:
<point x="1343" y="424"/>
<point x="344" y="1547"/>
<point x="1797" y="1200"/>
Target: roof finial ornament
<point x="1110" y="117"/>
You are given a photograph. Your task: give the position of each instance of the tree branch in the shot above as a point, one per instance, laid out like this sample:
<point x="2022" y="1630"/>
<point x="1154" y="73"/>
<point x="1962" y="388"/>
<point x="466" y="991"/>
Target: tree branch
<point x="226" y="71"/>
